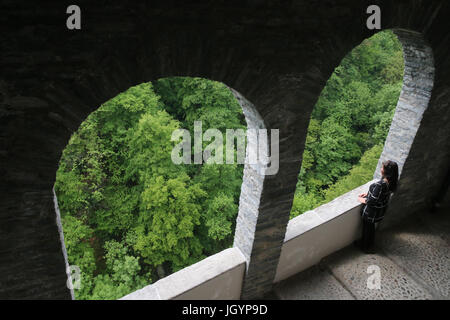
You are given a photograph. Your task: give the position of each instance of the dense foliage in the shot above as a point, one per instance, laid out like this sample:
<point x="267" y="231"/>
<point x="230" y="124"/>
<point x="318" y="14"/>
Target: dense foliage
<point x="131" y="216"/>
<point x="350" y="122"/>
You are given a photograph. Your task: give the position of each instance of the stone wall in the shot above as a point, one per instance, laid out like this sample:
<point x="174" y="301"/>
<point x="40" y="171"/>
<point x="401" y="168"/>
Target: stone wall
<point x="218" y="277"/>
<point x="315" y="234"/>
<point x="278" y="55"/>
<point x="251" y="187"/>
<point x="413" y="101"/>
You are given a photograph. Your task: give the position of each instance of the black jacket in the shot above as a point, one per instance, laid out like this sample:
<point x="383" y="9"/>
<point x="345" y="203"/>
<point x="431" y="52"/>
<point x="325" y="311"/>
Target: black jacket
<point x="376" y="201"/>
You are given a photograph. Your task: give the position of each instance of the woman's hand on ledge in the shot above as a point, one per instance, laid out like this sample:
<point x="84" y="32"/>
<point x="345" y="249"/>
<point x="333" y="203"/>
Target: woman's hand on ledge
<point x="362" y="195"/>
<point x="362" y="200"/>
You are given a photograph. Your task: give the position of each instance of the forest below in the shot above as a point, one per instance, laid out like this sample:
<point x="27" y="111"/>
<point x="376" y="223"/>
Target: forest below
<point x="131" y="216"/>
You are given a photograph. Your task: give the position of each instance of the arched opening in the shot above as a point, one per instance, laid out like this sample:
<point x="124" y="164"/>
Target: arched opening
<point x="350" y="122"/>
<point x="130" y="214"/>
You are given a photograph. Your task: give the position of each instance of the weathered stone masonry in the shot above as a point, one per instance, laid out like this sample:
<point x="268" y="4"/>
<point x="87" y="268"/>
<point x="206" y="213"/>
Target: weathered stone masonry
<point x="277" y="55"/>
<point x="413" y="102"/>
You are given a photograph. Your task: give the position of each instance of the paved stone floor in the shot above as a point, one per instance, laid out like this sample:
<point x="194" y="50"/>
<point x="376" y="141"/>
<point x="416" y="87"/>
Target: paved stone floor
<point x="413" y="260"/>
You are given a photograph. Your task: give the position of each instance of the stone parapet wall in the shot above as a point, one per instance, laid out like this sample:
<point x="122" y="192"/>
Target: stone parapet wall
<point x="218" y="277"/>
<point x="318" y="233"/>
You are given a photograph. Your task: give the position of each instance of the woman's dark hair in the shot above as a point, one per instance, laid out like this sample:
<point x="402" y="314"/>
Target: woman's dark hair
<point x="390" y="169"/>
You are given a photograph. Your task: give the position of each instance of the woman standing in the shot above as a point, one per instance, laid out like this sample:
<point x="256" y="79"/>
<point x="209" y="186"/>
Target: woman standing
<point x="375" y="203"/>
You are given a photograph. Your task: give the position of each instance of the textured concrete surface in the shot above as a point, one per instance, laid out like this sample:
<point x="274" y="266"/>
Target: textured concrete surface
<point x="351" y="267"/>
<point x="315" y="283"/>
<point x="413" y="259"/>
<point x="423" y="250"/>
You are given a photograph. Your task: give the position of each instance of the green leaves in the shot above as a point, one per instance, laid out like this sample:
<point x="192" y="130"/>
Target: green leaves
<point x="123" y="273"/>
<point x="127" y="209"/>
<point x="150" y="147"/>
<point x="358" y="175"/>
<point x="170" y="212"/>
<point x="351" y="118"/>
<point x="219" y="215"/>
